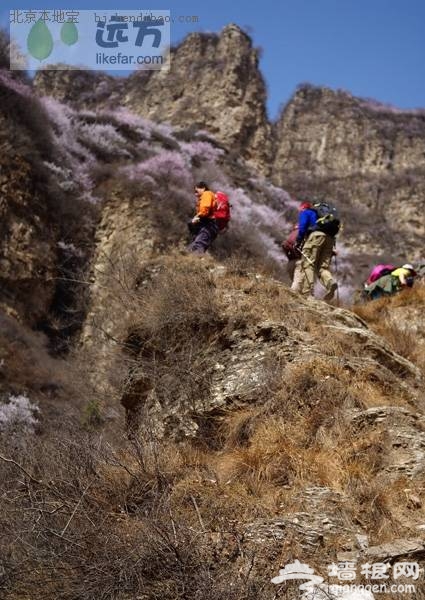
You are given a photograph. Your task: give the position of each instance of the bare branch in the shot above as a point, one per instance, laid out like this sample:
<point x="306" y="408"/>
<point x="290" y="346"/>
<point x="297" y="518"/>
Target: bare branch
<point x="10" y="460"/>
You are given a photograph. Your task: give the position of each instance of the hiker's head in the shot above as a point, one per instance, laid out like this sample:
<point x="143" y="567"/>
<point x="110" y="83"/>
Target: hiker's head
<point x="410" y="268"/>
<point x="201" y="187"/>
<point x="305" y="206"/>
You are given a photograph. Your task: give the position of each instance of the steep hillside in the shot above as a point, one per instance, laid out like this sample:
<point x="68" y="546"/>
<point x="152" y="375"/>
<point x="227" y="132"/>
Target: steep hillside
<point x="47" y="218"/>
<point x="262" y="429"/>
<point x="366" y="157"/>
<point x="176" y="426"/>
<point x="27" y="252"/>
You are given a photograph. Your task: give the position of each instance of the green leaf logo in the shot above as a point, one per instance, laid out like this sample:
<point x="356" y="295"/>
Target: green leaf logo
<point x="40" y="41"/>
<point x="69" y="33"/>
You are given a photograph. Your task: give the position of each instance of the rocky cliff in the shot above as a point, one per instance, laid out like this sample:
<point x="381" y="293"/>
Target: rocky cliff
<point x="214" y="84"/>
<point x="367" y="157"/>
<point x="28" y="251"/>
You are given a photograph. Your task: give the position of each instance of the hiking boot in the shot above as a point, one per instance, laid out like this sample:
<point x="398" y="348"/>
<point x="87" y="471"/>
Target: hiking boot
<point x="331" y="292"/>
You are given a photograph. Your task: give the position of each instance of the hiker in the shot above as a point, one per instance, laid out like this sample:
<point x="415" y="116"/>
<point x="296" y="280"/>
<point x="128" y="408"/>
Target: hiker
<point x="203" y="226"/>
<point x="289" y="246"/>
<point x="390" y="282"/>
<point x="405" y="275"/>
<point x="318" y="226"/>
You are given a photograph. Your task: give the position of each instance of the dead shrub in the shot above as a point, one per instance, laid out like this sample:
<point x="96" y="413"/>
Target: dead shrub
<point x="77" y="523"/>
<point x="173" y="341"/>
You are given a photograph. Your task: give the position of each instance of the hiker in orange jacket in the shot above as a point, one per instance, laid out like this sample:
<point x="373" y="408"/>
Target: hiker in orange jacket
<point x="203" y="226"/>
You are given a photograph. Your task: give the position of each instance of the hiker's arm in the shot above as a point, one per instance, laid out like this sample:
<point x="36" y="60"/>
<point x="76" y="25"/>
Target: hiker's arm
<point x="205" y="205"/>
<point x="302" y="227"/>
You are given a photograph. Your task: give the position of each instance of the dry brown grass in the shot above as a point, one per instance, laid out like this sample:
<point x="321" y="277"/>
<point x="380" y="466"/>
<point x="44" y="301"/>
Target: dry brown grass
<point x="148" y="517"/>
<point x="394" y="319"/>
<point x="92" y="522"/>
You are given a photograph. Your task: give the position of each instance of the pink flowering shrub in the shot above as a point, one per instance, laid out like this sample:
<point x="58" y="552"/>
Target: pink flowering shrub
<point x="246" y="211"/>
<point x="203" y="151"/>
<point x="125" y="117"/>
<point x="275" y="197"/>
<point x="74" y="161"/>
<point x="18" y="413"/>
<point x="102" y="138"/>
<point x="166" y="168"/>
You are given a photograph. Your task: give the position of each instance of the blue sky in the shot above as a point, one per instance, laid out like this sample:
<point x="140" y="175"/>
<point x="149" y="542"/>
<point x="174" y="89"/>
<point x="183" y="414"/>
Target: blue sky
<point x="372" y="48"/>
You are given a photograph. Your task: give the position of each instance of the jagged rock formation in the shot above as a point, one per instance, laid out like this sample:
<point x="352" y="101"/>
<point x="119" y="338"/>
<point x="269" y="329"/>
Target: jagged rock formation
<point x="214" y="84"/>
<point x="326" y="133"/>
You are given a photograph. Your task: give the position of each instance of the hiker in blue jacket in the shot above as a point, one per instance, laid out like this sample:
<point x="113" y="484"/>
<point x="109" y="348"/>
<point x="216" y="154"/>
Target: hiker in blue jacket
<point x="306" y="221"/>
<point x="317" y="249"/>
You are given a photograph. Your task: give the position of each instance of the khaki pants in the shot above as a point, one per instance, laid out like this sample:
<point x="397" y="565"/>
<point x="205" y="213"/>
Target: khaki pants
<point x="318" y="252"/>
<point x="295" y="275"/>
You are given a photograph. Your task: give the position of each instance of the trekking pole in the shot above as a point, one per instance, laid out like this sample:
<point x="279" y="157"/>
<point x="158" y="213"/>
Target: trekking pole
<point x="306" y="257"/>
<point x="312" y="264"/>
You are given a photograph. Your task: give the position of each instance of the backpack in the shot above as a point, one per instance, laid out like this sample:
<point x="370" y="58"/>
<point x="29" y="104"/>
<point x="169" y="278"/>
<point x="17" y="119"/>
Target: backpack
<point x="327" y="218"/>
<point x="378" y="272"/>
<point x="221" y="212"/>
<point x="289" y="245"/>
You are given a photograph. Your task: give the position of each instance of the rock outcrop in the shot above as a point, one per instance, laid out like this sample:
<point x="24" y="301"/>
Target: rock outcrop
<point x="214" y="84"/>
<point x="124" y="239"/>
<point x="248" y="350"/>
<point x="29" y="233"/>
<point x="367" y="157"/>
